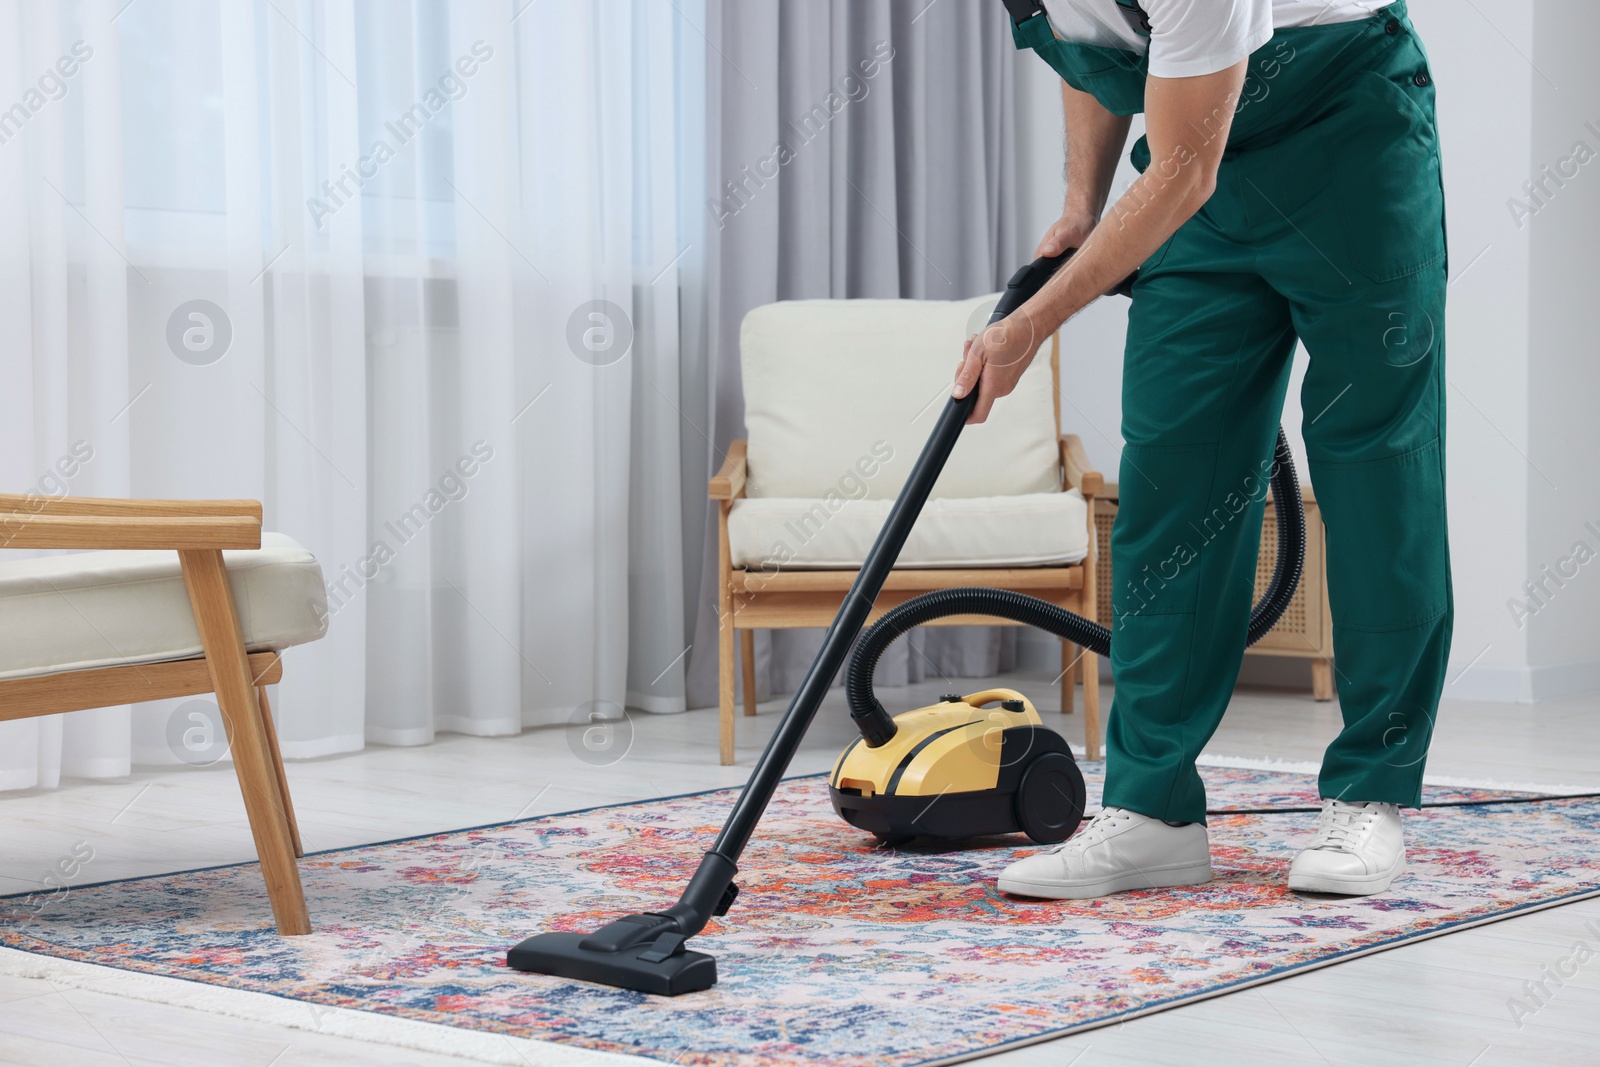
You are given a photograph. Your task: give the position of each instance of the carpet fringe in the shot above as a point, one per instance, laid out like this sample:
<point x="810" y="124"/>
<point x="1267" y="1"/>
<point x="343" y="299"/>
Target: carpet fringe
<point x="272" y="1010"/>
<point x="1257" y="763"/>
<point x="1265" y="763"/>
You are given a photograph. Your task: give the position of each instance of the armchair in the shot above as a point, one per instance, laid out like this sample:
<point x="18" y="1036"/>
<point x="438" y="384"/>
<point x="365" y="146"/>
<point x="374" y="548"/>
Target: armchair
<point x="839" y="398"/>
<point x="129" y="622"/>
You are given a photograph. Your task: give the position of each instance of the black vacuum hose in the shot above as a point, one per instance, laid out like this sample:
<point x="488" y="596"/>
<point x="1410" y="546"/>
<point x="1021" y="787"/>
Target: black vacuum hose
<point x="877" y="725"/>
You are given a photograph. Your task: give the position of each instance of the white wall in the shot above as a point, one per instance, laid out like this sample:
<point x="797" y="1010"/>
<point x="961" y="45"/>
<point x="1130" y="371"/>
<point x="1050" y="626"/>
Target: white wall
<point x="1522" y="326"/>
<point x="1563" y="634"/>
<point x="1485" y="100"/>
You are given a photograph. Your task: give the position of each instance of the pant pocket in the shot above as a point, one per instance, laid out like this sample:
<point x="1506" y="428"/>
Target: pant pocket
<point x="1388" y="548"/>
<point x="1383" y="150"/>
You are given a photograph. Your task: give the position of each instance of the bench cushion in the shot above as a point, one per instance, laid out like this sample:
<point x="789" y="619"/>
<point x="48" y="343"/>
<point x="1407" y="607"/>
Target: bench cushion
<point x="102" y="609"/>
<point x="1006" y="531"/>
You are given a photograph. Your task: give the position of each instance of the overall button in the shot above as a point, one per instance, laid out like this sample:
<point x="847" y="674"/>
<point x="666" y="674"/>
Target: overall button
<point x="1391" y="27"/>
<point x="1421" y="78"/>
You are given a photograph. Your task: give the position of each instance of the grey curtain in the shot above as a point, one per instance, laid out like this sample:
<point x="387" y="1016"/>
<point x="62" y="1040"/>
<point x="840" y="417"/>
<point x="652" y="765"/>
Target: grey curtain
<point x="855" y="149"/>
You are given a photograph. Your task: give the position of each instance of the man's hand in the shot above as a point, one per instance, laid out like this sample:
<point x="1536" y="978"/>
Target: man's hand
<point x="994" y="360"/>
<point x="998" y="356"/>
<point x="1069" y="231"/>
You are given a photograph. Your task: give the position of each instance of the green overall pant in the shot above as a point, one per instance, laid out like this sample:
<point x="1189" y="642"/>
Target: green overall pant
<point x="1327" y="226"/>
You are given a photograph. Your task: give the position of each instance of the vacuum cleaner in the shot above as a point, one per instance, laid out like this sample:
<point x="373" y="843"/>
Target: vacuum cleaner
<point x="955" y="769"/>
<point x="958" y="769"/>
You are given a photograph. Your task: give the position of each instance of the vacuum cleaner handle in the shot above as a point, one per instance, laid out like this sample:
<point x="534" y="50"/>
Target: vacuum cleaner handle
<point x="1028" y="280"/>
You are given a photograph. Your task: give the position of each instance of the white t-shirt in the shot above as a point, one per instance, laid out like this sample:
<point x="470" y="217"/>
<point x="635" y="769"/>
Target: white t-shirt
<point x="1193" y="37"/>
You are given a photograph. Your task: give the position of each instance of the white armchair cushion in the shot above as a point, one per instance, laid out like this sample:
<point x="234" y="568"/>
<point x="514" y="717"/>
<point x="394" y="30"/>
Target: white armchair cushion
<point x="102" y="609"/>
<point x="841" y="392"/>
<point x="1030" y="529"/>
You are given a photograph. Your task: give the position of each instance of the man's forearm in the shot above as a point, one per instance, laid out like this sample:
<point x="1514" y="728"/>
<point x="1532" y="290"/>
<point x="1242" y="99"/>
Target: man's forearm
<point x="1187" y="122"/>
<point x="1145" y="216"/>
<point x="1095" y="139"/>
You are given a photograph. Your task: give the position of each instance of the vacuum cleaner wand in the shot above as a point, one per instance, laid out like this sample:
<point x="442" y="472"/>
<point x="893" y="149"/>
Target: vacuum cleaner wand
<point x="647" y="952"/>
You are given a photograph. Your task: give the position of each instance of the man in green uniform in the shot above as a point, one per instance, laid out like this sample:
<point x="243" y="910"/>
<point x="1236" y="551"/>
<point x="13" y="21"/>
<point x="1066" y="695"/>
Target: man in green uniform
<point x="1290" y="190"/>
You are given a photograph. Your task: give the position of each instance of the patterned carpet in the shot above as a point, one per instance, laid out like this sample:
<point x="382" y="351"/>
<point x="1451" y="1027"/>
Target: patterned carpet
<point x="836" y="953"/>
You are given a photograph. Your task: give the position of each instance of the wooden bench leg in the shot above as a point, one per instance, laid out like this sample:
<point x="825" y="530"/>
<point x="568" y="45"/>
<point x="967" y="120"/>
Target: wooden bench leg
<point x="1069" y="675"/>
<point x="1322" y="679"/>
<point x="747" y="654"/>
<point x="271" y="730"/>
<point x="218" y="622"/>
<point x="1089" y="667"/>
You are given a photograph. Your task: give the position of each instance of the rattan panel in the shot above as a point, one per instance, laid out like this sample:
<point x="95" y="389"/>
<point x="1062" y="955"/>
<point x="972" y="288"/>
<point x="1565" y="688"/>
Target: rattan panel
<point x="1294" y="620"/>
<point x="1104" y="514"/>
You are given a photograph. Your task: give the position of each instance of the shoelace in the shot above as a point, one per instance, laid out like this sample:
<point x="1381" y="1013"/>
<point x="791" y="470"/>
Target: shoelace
<point x="1095" y="829"/>
<point x="1341" y="826"/>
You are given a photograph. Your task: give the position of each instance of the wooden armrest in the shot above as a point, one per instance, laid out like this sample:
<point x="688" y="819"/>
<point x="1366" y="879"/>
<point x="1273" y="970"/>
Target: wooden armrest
<point x="21" y="530"/>
<point x="34" y="504"/>
<point x="728" y="483"/>
<point x="1075" y="462"/>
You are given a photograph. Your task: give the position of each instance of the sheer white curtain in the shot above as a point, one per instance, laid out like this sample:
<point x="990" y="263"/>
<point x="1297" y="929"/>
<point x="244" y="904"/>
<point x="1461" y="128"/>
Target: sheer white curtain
<point x="447" y="245"/>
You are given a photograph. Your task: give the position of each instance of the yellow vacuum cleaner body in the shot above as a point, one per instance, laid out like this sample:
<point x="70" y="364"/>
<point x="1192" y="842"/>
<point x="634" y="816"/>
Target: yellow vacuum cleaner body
<point x="959" y="769"/>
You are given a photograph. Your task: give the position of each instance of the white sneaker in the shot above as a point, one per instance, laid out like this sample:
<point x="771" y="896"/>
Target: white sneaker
<point x="1358" y="850"/>
<point x="1115" y="851"/>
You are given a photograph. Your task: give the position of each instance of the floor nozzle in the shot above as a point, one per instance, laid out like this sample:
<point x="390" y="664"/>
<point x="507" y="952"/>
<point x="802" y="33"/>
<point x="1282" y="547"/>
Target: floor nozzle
<point x="639" y="952"/>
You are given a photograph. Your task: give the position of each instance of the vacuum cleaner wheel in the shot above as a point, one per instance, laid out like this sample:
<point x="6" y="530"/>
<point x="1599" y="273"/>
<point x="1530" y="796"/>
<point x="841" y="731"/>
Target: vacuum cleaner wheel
<point x="1050" y="798"/>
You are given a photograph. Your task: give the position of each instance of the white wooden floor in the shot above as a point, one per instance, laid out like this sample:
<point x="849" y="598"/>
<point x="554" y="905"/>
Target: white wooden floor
<point x="1443" y="1001"/>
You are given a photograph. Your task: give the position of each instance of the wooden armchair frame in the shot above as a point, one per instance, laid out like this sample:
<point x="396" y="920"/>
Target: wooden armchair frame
<point x="751" y="600"/>
<point x="198" y="530"/>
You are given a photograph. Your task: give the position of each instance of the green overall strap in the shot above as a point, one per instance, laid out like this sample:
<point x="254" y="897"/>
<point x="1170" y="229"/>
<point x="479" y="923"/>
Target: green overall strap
<point x="1113" y="76"/>
<point x="1023" y="10"/>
